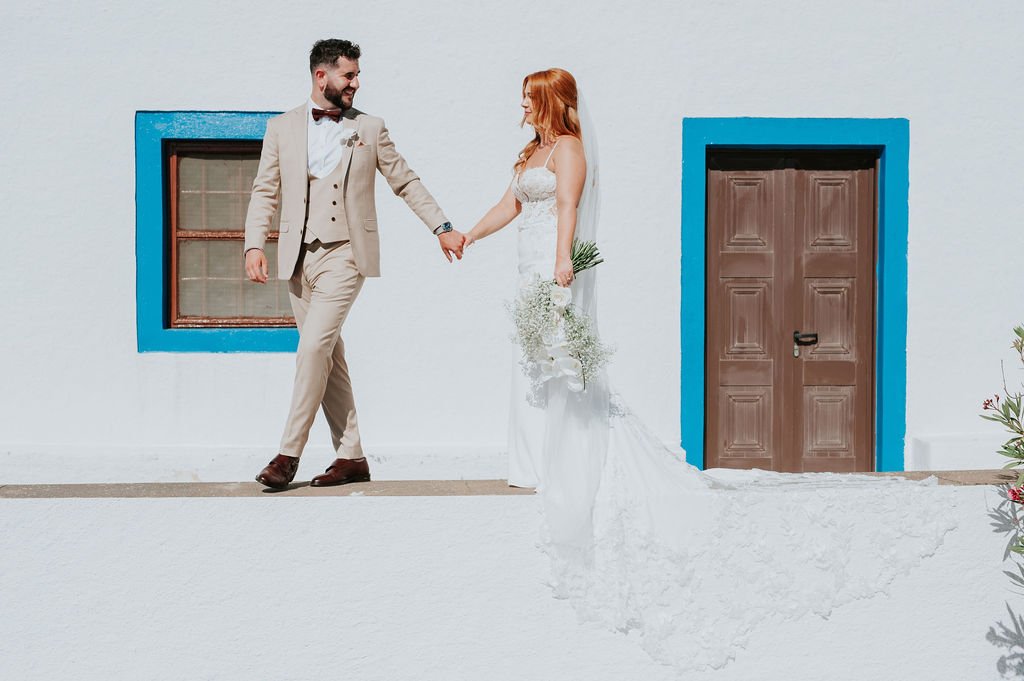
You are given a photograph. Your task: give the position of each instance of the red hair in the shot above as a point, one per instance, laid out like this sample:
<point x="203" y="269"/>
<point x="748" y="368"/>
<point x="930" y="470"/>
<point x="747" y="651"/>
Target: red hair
<point x="555" y="101"/>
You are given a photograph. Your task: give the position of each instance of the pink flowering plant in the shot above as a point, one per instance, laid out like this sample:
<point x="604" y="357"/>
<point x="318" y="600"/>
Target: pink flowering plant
<point x="1008" y="517"/>
<point x="1008" y="410"/>
<point x="1009" y="520"/>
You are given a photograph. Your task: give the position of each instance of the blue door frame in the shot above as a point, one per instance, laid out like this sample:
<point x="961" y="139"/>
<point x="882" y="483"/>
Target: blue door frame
<point x="891" y="138"/>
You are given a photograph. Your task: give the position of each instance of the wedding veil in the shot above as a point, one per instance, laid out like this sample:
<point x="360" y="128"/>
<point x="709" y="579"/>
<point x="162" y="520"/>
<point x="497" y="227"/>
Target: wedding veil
<point x="588" y="211"/>
<point x="576" y="439"/>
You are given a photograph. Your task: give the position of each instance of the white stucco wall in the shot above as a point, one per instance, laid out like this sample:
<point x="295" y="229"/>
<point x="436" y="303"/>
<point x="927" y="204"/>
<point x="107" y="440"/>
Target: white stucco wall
<point x="439" y="589"/>
<point x="427" y="343"/>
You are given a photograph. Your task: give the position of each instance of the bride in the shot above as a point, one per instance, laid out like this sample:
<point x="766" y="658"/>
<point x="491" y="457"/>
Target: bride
<point x="551" y="176"/>
<point x="640" y="540"/>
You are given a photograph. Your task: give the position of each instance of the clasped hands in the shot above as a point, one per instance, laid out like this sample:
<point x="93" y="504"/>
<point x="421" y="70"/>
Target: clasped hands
<point x="454" y="243"/>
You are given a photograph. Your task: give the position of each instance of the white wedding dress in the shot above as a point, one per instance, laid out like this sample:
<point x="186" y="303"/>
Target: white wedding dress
<point x="694" y="561"/>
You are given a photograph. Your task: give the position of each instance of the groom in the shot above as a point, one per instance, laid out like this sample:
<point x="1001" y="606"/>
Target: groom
<point x="318" y="165"/>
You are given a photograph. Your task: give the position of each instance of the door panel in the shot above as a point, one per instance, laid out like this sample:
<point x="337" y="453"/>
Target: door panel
<point x="743" y="374"/>
<point x="834" y="222"/>
<point x="790" y="249"/>
<point x="746" y="423"/>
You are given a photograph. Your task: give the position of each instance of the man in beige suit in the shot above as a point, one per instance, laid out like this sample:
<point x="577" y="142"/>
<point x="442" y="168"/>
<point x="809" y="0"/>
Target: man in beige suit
<point x="318" y="165"/>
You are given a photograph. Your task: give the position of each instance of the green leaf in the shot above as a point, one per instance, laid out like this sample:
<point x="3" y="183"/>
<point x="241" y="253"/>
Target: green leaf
<point x="584" y="255"/>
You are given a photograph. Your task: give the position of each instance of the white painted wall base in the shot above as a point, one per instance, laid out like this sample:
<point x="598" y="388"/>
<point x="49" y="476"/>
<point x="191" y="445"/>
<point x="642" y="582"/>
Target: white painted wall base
<point x="971" y="451"/>
<point x="396" y="589"/>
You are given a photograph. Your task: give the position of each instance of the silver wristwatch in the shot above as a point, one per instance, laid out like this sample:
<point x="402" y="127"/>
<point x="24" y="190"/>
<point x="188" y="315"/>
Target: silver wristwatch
<point x="446" y="227"/>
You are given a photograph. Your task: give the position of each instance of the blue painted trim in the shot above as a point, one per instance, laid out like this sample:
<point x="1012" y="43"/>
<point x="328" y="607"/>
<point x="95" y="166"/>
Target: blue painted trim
<point x="891" y="136"/>
<point x="152" y="128"/>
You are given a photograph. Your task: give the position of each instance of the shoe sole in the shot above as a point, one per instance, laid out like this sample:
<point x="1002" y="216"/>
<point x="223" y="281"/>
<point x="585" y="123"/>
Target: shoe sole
<point x="345" y="481"/>
<point x="259" y="479"/>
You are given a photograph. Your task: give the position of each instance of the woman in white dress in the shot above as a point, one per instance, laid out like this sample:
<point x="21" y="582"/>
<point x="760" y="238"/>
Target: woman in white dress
<point x="549" y="219"/>
<point x="640" y="540"/>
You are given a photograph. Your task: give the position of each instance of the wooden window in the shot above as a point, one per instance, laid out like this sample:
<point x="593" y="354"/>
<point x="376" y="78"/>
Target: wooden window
<point x="210" y="185"/>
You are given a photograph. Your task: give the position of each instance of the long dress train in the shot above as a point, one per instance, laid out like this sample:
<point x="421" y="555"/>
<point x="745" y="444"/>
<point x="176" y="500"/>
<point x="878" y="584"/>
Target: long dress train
<point x="694" y="561"/>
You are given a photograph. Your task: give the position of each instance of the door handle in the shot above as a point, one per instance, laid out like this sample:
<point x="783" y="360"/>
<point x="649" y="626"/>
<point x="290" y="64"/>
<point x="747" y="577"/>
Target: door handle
<point x="805" y="338"/>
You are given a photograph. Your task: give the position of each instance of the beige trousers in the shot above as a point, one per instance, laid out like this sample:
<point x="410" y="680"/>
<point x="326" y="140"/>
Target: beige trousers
<point x="322" y="290"/>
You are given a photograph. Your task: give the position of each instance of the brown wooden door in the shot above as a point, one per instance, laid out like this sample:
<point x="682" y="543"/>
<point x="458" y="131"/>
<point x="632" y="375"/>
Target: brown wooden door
<point x="791" y="249"/>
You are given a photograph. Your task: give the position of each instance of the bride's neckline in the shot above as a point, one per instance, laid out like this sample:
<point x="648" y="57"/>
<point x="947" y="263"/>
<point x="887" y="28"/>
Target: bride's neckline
<point x="544" y="167"/>
<point x="547" y="160"/>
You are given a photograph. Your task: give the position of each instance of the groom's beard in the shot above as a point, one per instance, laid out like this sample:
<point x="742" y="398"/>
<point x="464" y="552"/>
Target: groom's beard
<point x="336" y="97"/>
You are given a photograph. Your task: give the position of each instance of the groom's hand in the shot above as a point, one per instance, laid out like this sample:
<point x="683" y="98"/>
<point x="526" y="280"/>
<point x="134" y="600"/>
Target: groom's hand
<point x="256" y="265"/>
<point x="452" y="243"/>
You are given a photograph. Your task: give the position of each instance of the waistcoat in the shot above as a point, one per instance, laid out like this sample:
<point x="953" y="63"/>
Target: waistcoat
<point x="325" y="212"/>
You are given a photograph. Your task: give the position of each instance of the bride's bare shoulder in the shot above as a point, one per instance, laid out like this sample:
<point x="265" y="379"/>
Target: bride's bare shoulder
<point x="570" y="142"/>
<point x="569" y="149"/>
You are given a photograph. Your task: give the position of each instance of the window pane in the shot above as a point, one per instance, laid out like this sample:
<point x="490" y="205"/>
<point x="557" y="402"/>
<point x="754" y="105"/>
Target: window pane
<point x="214" y="189"/>
<point x="190" y="174"/>
<point x="223" y="297"/>
<point x="190" y="211"/>
<point x="222" y="174"/>
<point x="224" y="260"/>
<point x="249" y="168"/>
<point x="224" y="211"/>
<point x="212" y="282"/>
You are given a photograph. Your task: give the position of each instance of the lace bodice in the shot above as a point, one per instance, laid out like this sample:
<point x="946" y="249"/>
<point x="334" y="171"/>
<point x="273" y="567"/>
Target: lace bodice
<point x="535" y="188"/>
<point x="538" y="222"/>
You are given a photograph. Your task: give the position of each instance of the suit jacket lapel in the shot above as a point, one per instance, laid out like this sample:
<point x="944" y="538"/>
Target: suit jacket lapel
<point x="350" y="121"/>
<point x="298" y="130"/>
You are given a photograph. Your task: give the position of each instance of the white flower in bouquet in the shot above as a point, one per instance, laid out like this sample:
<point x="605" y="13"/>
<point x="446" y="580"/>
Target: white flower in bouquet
<point x="561" y="297"/>
<point x="548" y="370"/>
<point x="556" y="338"/>
<point x="572" y="369"/>
<point x="553" y="336"/>
<point x="559" y="350"/>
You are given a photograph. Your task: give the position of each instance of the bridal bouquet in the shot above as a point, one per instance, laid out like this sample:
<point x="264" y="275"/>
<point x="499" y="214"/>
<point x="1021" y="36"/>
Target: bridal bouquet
<point x="557" y="339"/>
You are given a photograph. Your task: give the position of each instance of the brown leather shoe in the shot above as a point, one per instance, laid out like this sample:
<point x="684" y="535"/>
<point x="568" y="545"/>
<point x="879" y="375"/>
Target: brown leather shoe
<point x="279" y="472"/>
<point x="342" y="472"/>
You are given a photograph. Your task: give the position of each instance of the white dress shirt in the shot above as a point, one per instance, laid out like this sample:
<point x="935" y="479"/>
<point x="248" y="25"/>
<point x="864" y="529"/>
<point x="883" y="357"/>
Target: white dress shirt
<point x="323" y="143"/>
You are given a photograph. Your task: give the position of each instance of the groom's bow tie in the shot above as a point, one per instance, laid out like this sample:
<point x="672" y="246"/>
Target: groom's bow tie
<point x="333" y="114"/>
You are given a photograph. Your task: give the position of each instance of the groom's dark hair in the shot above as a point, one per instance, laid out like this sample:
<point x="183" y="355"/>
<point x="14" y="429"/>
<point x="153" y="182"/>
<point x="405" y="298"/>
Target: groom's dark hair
<point x="326" y="52"/>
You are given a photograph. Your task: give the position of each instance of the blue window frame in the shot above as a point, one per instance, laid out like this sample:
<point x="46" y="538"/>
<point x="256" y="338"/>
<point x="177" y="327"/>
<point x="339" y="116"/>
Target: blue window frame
<point x="152" y="130"/>
<point x="891" y="138"/>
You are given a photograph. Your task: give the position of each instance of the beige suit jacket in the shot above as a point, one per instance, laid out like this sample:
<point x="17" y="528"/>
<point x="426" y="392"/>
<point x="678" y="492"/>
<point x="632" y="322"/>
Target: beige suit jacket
<point x="282" y="182"/>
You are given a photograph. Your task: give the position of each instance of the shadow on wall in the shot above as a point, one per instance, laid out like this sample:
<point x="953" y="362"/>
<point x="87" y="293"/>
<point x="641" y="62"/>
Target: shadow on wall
<point x="1006" y="520"/>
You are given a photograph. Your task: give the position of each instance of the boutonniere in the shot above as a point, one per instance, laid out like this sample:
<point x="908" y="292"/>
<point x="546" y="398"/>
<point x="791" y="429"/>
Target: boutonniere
<point x="349" y="136"/>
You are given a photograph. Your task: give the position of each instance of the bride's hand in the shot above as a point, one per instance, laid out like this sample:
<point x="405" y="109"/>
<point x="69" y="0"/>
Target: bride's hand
<point x="563" y="272"/>
<point x="469" y="240"/>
